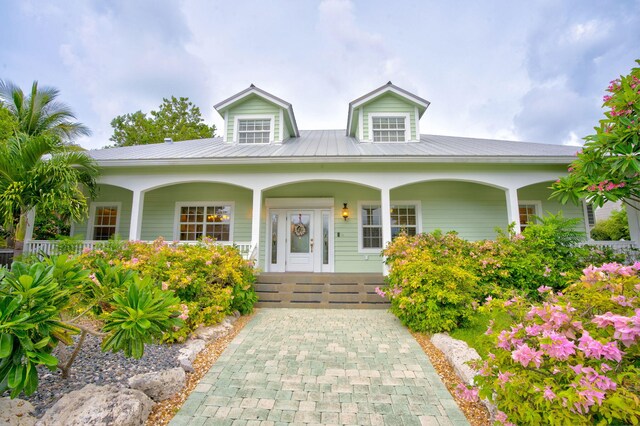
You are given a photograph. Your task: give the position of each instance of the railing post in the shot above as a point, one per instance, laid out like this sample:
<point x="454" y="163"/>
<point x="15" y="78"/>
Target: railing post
<point x="136" y="215"/>
<point x="31" y="221"/>
<point x="513" y="211"/>
<point x="385" y="215"/>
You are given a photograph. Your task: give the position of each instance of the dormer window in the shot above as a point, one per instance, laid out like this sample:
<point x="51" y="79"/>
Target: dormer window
<point x="254" y="130"/>
<point x="389" y="129"/>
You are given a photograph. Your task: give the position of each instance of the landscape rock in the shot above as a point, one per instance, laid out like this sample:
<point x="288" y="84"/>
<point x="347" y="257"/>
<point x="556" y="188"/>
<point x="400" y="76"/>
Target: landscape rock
<point x="188" y="354"/>
<point x="458" y="353"/>
<point x="99" y="406"/>
<point x="159" y="385"/>
<point x="211" y="333"/>
<point x="16" y="412"/>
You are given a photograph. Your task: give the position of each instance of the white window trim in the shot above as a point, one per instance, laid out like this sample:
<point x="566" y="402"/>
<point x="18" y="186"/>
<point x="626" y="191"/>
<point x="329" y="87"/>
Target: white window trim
<point x="416" y="203"/>
<point x="407" y="124"/>
<point x="236" y="128"/>
<point x="536" y="203"/>
<point x="92" y="216"/>
<point x="418" y="206"/>
<point x="180" y="204"/>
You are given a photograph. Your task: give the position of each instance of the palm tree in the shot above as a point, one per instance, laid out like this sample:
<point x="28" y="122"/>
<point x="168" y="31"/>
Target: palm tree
<point x="39" y="112"/>
<point x="42" y="171"/>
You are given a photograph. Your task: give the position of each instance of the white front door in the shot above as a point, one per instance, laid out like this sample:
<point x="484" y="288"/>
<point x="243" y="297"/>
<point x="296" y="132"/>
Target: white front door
<point x="300" y="240"/>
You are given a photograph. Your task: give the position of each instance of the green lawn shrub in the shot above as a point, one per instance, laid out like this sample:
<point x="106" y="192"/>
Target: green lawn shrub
<point x="211" y="280"/>
<point x="573" y="358"/>
<point x="615" y="228"/>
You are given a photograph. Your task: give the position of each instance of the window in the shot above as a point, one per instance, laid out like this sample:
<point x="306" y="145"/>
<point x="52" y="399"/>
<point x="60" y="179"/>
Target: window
<point x="404" y="215"/>
<point x="388" y="129"/>
<point x="254" y="130"/>
<point x="105" y="220"/>
<point x="210" y="220"/>
<point x="403" y="219"/>
<point x="371" y="227"/>
<point x="528" y="211"/>
<point x="591" y="217"/>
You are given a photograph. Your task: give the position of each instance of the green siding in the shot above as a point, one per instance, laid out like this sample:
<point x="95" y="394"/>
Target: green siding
<point x="159" y="214"/>
<point x="472" y="210"/>
<point x="253" y="105"/>
<point x="389" y="103"/>
<point x="346" y="255"/>
<point x="108" y="193"/>
<point x="541" y="192"/>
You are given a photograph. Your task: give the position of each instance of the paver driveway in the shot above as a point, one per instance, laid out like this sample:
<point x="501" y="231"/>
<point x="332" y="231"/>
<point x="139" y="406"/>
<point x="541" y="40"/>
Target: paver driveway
<point x="324" y="366"/>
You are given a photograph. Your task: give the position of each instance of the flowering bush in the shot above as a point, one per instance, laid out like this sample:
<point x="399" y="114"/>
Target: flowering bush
<point x="428" y="291"/>
<point x="572" y="359"/>
<point x="211" y="280"/>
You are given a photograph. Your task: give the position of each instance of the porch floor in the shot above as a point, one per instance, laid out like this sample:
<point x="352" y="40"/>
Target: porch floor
<point x="319" y="290"/>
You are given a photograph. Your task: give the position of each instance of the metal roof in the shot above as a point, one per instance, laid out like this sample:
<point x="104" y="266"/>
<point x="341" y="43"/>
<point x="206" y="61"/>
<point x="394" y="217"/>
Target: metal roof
<point x="334" y="146"/>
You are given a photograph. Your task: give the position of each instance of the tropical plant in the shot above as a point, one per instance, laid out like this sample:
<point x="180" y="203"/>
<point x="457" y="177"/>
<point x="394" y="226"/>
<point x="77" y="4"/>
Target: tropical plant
<point x="39" y="113"/>
<point x="608" y="167"/>
<point x="41" y="303"/>
<point x="177" y="118"/>
<point x="41" y="171"/>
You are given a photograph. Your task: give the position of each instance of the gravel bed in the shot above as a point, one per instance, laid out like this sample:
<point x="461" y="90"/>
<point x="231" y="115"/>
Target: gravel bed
<point x="100" y="368"/>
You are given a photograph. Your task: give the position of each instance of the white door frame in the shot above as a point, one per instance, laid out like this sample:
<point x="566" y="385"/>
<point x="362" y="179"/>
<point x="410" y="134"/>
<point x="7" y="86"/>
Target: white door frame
<point x="284" y="206"/>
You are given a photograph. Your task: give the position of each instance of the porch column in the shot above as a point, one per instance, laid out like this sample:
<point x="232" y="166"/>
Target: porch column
<point x="633" y="216"/>
<point x="255" y="219"/>
<point x="385" y="212"/>
<point x="31" y="221"/>
<point x="513" y="211"/>
<point x="136" y="215"/>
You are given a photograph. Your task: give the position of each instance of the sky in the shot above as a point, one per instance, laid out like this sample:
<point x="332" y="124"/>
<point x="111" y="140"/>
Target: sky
<point x="526" y="71"/>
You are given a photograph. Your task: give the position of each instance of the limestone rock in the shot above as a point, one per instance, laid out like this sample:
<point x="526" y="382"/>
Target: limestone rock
<point x="210" y="333"/>
<point x="99" y="406"/>
<point x="458" y="353"/>
<point x="159" y="385"/>
<point x="188" y="354"/>
<point x="16" y="412"/>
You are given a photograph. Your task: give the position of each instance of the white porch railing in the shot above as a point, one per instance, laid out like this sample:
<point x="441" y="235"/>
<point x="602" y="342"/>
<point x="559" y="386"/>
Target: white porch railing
<point x="52" y="247"/>
<point x="621" y="245"/>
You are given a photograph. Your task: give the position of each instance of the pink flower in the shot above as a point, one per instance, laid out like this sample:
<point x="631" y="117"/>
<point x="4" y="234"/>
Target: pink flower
<point x="548" y="393"/>
<point x="559" y="346"/>
<point x="165" y="286"/>
<point x="86" y="250"/>
<point x="547" y="271"/>
<point x="467" y="394"/>
<point x="595" y="349"/>
<point x="208" y="262"/>
<point x="185" y="312"/>
<point x="622" y="301"/>
<point x="135" y="260"/>
<point x="380" y="292"/>
<point x="503" y="378"/>
<point x="544" y="288"/>
<point x="525" y="355"/>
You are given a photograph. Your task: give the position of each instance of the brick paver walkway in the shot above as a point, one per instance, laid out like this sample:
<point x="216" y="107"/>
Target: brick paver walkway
<point x="355" y="367"/>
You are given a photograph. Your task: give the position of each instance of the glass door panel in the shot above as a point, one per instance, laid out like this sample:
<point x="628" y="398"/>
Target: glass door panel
<point x="300" y="238"/>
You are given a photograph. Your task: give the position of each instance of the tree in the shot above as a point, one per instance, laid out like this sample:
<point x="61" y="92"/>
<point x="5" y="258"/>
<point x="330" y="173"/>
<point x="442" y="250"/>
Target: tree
<point x="608" y="167"/>
<point x="42" y="171"/>
<point x="8" y="124"/>
<point x="39" y="113"/>
<point x="177" y="118"/>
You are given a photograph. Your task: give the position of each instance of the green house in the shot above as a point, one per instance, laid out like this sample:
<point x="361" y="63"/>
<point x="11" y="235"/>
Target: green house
<point x="322" y="201"/>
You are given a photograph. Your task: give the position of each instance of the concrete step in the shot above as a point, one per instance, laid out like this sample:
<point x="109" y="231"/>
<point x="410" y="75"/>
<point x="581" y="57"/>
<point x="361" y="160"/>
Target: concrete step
<point x="320" y="290"/>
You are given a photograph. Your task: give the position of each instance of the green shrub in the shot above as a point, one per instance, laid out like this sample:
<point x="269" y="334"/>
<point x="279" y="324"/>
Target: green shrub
<point x="428" y="293"/>
<point x="613" y="229"/>
<point x="573" y="359"/>
<point x="209" y="279"/>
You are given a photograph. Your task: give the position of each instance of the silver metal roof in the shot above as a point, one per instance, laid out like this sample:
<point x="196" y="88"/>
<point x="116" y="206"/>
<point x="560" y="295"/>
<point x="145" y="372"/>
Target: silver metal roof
<point x="334" y="146"/>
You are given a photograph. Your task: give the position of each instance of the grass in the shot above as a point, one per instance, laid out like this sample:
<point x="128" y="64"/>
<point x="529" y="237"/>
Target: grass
<point x="474" y="335"/>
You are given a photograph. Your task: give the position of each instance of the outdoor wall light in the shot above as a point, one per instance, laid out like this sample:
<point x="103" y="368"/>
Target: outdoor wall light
<point x="345" y="212"/>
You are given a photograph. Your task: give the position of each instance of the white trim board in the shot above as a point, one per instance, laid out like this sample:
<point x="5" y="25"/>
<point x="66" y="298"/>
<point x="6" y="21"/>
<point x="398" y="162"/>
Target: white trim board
<point x="284" y="203"/>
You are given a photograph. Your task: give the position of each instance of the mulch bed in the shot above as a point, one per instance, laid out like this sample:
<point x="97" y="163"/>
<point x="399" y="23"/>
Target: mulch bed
<point x="476" y="413"/>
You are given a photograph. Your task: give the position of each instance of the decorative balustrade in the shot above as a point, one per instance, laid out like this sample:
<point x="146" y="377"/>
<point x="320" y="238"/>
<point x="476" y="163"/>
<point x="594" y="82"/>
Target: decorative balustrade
<point x="52" y="247"/>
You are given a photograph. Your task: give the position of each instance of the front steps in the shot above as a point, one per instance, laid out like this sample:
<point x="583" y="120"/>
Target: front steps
<point x="319" y="290"/>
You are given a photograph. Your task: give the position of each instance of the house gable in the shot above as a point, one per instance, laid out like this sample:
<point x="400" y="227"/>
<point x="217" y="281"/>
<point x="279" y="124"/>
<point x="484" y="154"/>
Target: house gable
<point x="254" y="110"/>
<point x="388" y="107"/>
